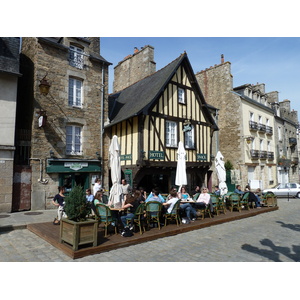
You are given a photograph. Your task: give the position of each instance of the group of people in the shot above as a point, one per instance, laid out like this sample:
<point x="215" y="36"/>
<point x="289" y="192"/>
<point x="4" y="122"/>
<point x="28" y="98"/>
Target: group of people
<point x="132" y="198"/>
<point x="253" y="197"/>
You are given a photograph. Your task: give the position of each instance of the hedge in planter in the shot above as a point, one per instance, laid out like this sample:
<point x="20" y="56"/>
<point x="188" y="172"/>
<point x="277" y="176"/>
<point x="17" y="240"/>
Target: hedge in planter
<point x="77" y="229"/>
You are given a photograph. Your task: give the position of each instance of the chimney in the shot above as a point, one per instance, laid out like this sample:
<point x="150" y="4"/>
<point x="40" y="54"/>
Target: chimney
<point x="222" y="58"/>
<point x="136" y="50"/>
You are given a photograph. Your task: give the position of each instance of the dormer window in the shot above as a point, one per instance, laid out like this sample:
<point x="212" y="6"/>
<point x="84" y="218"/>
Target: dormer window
<point x="76" y="57"/>
<point x="181" y="95"/>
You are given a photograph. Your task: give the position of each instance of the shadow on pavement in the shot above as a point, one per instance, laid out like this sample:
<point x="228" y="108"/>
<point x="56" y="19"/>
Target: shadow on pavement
<point x="274" y="251"/>
<point x="295" y="227"/>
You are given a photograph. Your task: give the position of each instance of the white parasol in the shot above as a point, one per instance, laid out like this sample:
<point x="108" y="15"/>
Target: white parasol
<point x="181" y="179"/>
<point x="221" y="173"/>
<point x="115" y="168"/>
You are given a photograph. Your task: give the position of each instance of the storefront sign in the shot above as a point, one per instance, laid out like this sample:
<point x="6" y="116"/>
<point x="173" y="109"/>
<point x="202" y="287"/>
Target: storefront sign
<point x="201" y="156"/>
<point x="75" y="166"/>
<point x="156" y="155"/>
<point x="126" y="157"/>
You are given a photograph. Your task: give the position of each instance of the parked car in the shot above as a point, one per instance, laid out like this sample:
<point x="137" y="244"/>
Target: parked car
<point x="285" y="190"/>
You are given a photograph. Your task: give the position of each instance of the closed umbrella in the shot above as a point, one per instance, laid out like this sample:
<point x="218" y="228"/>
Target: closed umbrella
<point x="221" y="173"/>
<point x="115" y="169"/>
<point x="181" y="179"/>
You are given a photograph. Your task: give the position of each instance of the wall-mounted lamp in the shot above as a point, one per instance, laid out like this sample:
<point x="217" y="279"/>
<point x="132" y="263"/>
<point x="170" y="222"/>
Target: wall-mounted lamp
<point x="249" y="139"/>
<point x="44" y="86"/>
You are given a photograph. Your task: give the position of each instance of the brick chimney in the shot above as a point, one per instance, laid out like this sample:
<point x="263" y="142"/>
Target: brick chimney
<point x="222" y="58"/>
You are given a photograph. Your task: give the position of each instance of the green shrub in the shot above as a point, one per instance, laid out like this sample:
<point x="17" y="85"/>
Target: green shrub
<point x="76" y="206"/>
<point x="228" y="165"/>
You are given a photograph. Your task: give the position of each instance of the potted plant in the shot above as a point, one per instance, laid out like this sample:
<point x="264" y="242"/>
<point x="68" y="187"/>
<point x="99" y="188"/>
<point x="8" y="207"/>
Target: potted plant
<point x="77" y="229"/>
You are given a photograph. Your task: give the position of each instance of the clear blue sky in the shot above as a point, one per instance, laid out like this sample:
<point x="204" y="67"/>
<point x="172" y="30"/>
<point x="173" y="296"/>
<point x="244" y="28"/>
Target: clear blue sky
<point x="274" y="61"/>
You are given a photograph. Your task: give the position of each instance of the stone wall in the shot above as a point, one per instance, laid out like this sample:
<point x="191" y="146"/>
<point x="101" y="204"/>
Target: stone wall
<point x="134" y="68"/>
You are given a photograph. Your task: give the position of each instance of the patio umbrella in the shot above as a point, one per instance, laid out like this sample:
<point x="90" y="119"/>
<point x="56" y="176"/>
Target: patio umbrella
<point x="115" y="168"/>
<point x="180" y="178"/>
<point x="221" y="173"/>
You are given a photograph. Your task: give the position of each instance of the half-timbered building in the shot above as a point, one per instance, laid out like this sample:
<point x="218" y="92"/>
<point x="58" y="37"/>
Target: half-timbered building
<point x="151" y="116"/>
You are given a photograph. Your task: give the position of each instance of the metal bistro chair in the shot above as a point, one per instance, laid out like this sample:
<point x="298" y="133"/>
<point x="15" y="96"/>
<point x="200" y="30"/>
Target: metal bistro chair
<point x="221" y="205"/>
<point x="214" y="203"/>
<point x="245" y="201"/>
<point x="104" y="216"/>
<point x="174" y="214"/>
<point x="153" y="211"/>
<point x="138" y="217"/>
<point x="234" y="202"/>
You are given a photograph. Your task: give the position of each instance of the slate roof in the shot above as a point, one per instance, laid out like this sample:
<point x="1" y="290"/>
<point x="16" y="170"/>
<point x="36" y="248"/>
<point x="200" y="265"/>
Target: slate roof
<point x="140" y="97"/>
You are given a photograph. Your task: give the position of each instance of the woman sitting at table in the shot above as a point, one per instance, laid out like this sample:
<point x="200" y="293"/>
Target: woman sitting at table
<point x="203" y="199"/>
<point x="172" y="199"/>
<point x="131" y="204"/>
<point x="183" y="195"/>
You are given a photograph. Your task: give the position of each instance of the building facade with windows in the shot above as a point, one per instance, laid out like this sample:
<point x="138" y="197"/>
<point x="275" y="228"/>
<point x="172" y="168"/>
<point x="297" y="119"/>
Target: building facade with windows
<point x="9" y="74"/>
<point x="60" y="132"/>
<point x="253" y="134"/>
<point x="152" y="115"/>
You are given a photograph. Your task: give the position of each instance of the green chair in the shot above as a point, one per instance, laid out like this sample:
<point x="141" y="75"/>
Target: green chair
<point x="196" y="196"/>
<point x="245" y="201"/>
<point x="214" y="203"/>
<point x="174" y="214"/>
<point x="153" y="211"/>
<point x="138" y="217"/>
<point x="221" y="205"/>
<point x="104" y="216"/>
<point x="234" y="202"/>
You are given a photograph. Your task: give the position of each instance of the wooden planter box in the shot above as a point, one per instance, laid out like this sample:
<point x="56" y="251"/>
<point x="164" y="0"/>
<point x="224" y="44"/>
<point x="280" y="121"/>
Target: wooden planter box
<point x="79" y="233"/>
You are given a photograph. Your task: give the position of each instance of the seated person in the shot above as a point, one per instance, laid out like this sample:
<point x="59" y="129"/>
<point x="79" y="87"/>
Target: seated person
<point x="203" y="200"/>
<point x="217" y="191"/>
<point x="168" y="206"/>
<point x="183" y="195"/>
<point x="131" y="204"/>
<point x="238" y="190"/>
<point x="155" y="196"/>
<point x="257" y="195"/>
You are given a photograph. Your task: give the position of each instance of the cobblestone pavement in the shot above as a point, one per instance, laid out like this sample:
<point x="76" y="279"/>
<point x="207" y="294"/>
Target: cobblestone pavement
<point x="268" y="237"/>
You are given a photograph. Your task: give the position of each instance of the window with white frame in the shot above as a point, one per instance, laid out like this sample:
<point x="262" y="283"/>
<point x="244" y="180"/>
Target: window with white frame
<point x="171" y="134"/>
<point x="261" y="145"/>
<point x="270" y="175"/>
<point x="269" y="146"/>
<point x="76" y="57"/>
<point x="73" y="140"/>
<point x="251" y="116"/>
<point x="75" y="92"/>
<point x="189" y="138"/>
<point x="181" y="95"/>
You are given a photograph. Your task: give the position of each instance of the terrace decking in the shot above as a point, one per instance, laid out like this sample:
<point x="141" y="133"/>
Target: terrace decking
<point x="50" y="233"/>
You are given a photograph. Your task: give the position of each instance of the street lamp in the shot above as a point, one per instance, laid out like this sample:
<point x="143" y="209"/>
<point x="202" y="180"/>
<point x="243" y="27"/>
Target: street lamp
<point x="44" y="86"/>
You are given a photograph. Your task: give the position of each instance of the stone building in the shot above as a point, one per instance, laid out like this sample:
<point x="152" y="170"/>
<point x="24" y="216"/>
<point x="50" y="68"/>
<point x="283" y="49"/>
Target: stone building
<point x="286" y="125"/>
<point x="9" y="74"/>
<point x="247" y="135"/>
<point x="60" y="132"/>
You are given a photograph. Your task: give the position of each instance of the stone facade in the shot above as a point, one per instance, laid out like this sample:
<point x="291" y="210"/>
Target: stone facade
<point x="9" y="73"/>
<point x="134" y="68"/>
<point x="235" y="106"/>
<point x="50" y="58"/>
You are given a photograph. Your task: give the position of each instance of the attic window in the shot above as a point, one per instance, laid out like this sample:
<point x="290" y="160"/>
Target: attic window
<point x="181" y="95"/>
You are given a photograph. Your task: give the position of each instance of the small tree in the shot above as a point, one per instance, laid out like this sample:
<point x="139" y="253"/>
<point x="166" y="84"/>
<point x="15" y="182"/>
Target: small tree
<point x="228" y="165"/>
<point x="77" y="207"/>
